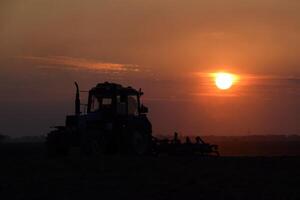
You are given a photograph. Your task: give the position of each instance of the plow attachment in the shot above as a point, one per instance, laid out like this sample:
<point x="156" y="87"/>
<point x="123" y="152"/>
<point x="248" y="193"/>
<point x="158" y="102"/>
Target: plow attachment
<point x="176" y="147"/>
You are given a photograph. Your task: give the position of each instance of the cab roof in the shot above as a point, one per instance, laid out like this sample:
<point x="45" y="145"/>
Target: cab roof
<point x="110" y="89"/>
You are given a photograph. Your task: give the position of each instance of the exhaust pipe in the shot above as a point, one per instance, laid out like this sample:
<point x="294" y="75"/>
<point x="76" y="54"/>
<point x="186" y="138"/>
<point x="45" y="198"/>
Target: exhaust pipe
<point x="77" y="100"/>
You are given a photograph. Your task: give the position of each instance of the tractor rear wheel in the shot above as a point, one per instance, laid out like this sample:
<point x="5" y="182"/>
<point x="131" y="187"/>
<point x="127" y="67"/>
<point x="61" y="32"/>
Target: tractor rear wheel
<point x="95" y="144"/>
<point x="140" y="143"/>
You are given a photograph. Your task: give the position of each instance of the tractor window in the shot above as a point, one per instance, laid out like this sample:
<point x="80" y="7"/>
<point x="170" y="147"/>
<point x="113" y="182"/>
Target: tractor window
<point x="132" y="105"/>
<point x="106" y="101"/>
<point x="95" y="104"/>
<point x="121" y="105"/>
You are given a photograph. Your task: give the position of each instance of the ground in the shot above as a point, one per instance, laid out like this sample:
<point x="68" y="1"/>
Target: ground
<point x="26" y="173"/>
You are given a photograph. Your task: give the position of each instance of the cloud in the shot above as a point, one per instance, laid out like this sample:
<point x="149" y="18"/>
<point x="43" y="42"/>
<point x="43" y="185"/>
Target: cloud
<point x="255" y="78"/>
<point x="80" y="64"/>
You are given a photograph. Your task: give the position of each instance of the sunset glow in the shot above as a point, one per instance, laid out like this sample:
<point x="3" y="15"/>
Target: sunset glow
<point x="224" y="81"/>
<point x="202" y="65"/>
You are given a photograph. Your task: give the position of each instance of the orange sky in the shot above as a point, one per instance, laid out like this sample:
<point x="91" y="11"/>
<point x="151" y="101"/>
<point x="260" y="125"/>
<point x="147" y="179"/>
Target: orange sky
<point x="166" y="47"/>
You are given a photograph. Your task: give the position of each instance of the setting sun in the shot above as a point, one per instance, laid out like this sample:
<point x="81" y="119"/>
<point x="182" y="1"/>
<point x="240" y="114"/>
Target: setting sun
<point x="224" y="81"/>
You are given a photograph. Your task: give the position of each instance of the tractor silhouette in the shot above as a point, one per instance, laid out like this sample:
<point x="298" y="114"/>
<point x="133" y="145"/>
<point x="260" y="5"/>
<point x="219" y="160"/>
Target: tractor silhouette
<point x="115" y="121"/>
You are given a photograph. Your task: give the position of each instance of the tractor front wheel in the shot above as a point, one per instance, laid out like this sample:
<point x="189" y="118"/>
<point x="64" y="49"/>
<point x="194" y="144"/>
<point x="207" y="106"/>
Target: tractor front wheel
<point x="57" y="143"/>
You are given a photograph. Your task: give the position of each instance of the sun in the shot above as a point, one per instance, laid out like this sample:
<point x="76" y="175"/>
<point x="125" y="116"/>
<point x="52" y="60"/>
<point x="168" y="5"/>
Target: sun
<point x="224" y="81"/>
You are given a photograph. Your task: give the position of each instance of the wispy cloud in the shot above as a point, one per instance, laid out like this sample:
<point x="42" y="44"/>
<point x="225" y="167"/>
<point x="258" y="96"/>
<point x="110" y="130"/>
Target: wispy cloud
<point x="255" y="78"/>
<point x="80" y="63"/>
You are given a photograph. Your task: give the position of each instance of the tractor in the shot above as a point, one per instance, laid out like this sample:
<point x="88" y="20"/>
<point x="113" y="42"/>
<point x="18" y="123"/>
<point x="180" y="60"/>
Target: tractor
<point x="115" y="121"/>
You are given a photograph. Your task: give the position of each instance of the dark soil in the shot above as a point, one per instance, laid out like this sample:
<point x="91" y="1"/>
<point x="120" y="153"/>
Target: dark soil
<point x="26" y="173"/>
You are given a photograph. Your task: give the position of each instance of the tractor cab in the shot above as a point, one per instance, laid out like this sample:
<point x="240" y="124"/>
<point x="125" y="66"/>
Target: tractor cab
<point x="112" y="100"/>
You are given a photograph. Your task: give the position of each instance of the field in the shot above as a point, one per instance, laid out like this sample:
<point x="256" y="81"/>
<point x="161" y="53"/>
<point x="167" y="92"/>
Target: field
<point x="25" y="173"/>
